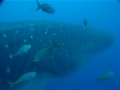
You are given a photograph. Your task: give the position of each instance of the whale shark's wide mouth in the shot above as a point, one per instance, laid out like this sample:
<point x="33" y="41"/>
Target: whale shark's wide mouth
<point x="103" y="39"/>
<point x="94" y="40"/>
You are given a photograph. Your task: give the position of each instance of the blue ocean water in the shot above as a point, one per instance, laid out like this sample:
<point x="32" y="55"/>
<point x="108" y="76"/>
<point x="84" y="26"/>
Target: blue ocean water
<point x="101" y="14"/>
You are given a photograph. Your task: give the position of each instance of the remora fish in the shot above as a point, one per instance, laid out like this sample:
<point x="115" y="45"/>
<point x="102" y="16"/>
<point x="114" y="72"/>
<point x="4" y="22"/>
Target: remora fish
<point x="23" y="79"/>
<point x="105" y="76"/>
<point x="76" y="44"/>
<point x="44" y="52"/>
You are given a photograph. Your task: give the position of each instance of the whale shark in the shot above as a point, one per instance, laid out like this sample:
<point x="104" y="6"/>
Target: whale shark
<point x="76" y="45"/>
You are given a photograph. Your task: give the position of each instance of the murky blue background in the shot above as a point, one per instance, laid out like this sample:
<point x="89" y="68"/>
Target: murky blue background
<point x="101" y="14"/>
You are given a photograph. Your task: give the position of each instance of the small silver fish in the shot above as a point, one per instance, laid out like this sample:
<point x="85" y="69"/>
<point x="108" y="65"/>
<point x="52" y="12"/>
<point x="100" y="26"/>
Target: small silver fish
<point x="24" y="49"/>
<point x="23" y="78"/>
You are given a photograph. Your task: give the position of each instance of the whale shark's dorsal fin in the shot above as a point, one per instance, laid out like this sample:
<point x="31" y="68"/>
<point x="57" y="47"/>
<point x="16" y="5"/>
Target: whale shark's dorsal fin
<point x="39" y="5"/>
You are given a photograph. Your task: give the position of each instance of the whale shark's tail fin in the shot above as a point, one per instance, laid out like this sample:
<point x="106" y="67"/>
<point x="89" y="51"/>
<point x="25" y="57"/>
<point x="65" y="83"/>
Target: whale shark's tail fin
<point x="38" y="5"/>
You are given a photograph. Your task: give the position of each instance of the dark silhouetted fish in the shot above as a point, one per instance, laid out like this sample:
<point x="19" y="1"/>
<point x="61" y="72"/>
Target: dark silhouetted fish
<point x="45" y="7"/>
<point x="1" y="1"/>
<point x="85" y="22"/>
<point x="76" y="45"/>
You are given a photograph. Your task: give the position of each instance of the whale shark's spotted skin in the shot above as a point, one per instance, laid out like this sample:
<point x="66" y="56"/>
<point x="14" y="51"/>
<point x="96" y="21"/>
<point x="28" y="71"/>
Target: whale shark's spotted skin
<point x="74" y="41"/>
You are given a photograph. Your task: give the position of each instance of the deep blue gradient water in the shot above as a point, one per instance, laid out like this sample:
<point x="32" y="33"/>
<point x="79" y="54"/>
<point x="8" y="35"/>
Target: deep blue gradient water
<point x="101" y="14"/>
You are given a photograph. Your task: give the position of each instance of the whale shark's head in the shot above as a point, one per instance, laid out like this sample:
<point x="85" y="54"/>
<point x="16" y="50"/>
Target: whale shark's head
<point x="76" y="43"/>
